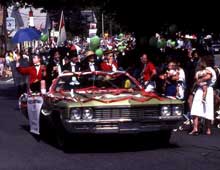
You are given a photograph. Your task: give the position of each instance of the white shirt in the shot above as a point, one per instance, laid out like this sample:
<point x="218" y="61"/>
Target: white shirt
<point x="59" y="69"/>
<point x="182" y="75"/>
<point x="73" y="69"/>
<point x="92" y="66"/>
<point x="113" y="67"/>
<point x="37" y="68"/>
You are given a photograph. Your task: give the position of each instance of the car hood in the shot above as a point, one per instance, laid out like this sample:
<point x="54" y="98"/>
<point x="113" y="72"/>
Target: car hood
<point x="109" y="99"/>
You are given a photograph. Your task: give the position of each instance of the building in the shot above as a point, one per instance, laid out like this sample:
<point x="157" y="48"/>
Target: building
<point x="28" y="16"/>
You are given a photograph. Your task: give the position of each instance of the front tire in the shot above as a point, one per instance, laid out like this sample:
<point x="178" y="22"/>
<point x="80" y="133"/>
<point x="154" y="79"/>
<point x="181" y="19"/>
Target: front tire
<point x="61" y="135"/>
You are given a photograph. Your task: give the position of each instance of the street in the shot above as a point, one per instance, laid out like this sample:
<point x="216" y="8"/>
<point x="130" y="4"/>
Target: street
<point x="19" y="150"/>
<point x="217" y="59"/>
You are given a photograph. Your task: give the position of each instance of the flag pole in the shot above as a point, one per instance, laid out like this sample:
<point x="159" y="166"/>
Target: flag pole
<point x="103" y="29"/>
<point x="58" y="40"/>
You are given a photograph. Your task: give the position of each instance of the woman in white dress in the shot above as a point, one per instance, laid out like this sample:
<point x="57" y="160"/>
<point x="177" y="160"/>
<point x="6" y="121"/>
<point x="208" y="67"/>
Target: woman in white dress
<point x="204" y="109"/>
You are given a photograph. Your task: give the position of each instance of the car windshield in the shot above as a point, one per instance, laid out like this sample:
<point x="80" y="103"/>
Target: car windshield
<point x="93" y="82"/>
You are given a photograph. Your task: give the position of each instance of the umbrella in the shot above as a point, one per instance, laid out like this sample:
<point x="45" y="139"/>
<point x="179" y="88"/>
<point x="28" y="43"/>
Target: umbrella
<point x="26" y="34"/>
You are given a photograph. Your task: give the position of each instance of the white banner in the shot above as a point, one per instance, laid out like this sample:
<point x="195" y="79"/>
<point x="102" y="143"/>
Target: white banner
<point x="10" y="23"/>
<point x="92" y="32"/>
<point x="34" y="105"/>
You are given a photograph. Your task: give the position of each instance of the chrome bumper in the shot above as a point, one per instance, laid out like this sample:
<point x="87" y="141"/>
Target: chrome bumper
<point x="122" y="125"/>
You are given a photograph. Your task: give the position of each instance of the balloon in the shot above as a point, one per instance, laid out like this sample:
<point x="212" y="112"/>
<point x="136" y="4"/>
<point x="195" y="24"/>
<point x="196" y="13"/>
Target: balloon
<point x="127" y="84"/>
<point x="121" y="35"/>
<point x="91" y="48"/>
<point x="44" y="37"/>
<point x="94" y="43"/>
<point x="99" y="52"/>
<point x="121" y="48"/>
<point x="173" y="43"/>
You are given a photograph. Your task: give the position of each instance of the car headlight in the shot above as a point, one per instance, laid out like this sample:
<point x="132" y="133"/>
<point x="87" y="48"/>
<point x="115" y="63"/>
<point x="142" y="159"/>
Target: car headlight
<point x="176" y="111"/>
<point x="87" y="114"/>
<point x="75" y="114"/>
<point x="165" y="111"/>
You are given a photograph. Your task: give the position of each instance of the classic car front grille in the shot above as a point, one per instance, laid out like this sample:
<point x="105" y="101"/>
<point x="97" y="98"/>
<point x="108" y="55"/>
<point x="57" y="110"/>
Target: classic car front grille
<point x="126" y="113"/>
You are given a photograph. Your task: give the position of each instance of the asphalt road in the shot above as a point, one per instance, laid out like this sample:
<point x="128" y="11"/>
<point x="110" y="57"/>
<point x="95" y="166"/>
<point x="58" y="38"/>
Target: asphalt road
<point x="217" y="59"/>
<point x="19" y="150"/>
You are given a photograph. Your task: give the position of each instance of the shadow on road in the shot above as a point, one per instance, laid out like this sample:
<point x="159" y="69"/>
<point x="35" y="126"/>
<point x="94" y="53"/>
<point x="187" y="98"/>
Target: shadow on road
<point x="8" y="92"/>
<point x="116" y="143"/>
<point x="110" y="143"/>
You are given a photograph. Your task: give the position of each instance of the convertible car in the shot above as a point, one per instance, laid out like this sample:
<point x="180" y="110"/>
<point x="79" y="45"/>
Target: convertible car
<point x="102" y="102"/>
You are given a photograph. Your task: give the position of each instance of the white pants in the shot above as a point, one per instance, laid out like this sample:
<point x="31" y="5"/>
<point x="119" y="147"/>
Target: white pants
<point x="1" y="69"/>
<point x="181" y="90"/>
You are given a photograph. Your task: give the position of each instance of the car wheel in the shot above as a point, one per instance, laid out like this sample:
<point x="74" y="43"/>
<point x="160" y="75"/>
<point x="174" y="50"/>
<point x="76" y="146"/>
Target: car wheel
<point x="61" y="135"/>
<point x="62" y="140"/>
<point x="45" y="127"/>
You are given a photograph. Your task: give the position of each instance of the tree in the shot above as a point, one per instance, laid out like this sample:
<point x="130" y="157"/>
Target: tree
<point x="139" y="16"/>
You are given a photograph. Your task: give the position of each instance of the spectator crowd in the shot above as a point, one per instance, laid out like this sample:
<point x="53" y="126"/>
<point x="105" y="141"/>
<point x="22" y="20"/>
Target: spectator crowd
<point x="179" y="70"/>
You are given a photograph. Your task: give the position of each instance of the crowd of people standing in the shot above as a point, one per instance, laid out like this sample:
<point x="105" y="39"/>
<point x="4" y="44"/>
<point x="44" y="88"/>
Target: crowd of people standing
<point x="185" y="74"/>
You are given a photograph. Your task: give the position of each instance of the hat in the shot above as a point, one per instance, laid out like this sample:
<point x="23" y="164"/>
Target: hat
<point x="89" y="53"/>
<point x="108" y="52"/>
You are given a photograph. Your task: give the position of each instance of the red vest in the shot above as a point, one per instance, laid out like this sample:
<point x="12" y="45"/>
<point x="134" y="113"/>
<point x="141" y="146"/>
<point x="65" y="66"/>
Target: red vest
<point x="106" y="67"/>
<point x="32" y="72"/>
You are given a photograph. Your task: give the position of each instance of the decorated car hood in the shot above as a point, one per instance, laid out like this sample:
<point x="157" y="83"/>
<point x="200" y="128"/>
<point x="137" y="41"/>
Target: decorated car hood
<point x="109" y="99"/>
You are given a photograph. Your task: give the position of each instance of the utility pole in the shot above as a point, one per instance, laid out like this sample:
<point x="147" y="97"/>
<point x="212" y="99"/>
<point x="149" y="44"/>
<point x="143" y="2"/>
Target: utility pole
<point x="110" y="26"/>
<point x="3" y="31"/>
<point x="103" y="29"/>
<point x="4" y="28"/>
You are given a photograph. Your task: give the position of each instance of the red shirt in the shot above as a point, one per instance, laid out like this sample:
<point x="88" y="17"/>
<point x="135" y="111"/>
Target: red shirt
<point x="32" y="72"/>
<point x="148" y="71"/>
<point x="107" y="67"/>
